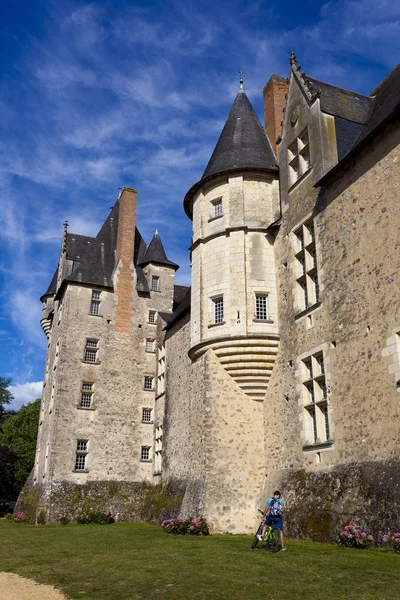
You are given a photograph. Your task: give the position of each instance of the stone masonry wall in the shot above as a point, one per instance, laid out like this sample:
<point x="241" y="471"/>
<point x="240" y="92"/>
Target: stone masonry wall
<point x="356" y="222"/>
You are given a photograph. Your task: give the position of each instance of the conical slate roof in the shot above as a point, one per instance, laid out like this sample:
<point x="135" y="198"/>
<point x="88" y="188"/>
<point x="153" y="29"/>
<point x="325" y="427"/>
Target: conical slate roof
<point x="243" y="143"/>
<point x="242" y="146"/>
<point x="155" y="253"/>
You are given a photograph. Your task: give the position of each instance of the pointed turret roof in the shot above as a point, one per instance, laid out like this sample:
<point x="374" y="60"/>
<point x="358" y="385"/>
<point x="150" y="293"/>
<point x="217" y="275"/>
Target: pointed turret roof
<point x="155" y="253"/>
<point x="242" y="146"/>
<point x="243" y="143"/>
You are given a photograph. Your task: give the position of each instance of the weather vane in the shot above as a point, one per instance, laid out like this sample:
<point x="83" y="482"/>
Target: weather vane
<point x="241" y="80"/>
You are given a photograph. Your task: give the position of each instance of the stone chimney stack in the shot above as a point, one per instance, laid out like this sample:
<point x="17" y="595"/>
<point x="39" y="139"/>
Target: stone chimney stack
<point x="274" y="102"/>
<point x="124" y="278"/>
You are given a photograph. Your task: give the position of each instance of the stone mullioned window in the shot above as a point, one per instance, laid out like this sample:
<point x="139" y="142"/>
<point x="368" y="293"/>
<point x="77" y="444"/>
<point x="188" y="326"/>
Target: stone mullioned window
<point x="306" y="271"/>
<point x="91" y="351"/>
<point x="82" y="451"/>
<point x="86" y="396"/>
<point x="95" y="303"/>
<point x="299" y="157"/>
<point x="315" y="400"/>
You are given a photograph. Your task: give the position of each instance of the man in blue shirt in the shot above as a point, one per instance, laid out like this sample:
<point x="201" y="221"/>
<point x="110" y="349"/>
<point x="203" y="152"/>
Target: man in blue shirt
<point x="273" y="516"/>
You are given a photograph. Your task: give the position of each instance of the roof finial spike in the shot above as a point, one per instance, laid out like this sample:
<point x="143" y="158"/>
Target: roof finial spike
<point x="293" y="59"/>
<point x="65" y="226"/>
<point x="156" y="232"/>
<point x="241" y="80"/>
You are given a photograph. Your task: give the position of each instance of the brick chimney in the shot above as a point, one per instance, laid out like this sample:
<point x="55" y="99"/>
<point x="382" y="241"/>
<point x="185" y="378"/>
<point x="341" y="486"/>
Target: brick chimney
<point x="274" y="102"/>
<point x="124" y="274"/>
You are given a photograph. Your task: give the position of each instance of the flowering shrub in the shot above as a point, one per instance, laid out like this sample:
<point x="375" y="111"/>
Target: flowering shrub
<point x="190" y="525"/>
<point x="95" y="516"/>
<point x="393" y="541"/>
<point x="352" y="537"/>
<point x="21" y="517"/>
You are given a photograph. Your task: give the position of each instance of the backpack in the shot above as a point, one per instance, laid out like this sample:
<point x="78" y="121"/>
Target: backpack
<point x="275" y="508"/>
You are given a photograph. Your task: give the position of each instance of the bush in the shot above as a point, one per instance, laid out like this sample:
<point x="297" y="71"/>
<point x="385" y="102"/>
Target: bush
<point x="190" y="525"/>
<point x="64" y="520"/>
<point x="21" y="517"/>
<point x="41" y="517"/>
<point x="96" y="517"/>
<point x="9" y="516"/>
<point x="352" y="537"/>
<point x="393" y="541"/>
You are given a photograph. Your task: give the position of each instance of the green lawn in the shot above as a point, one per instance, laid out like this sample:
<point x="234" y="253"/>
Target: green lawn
<point x="134" y="561"/>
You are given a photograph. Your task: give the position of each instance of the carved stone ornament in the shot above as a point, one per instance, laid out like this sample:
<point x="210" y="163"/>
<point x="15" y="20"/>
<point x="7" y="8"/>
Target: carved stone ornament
<point x="295" y="115"/>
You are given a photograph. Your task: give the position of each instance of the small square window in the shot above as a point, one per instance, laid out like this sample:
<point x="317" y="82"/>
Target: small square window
<point x="149" y="345"/>
<point x="217" y="207"/>
<point x="155" y="284"/>
<point x="146" y="415"/>
<point x="145" y="453"/>
<point x="152" y="316"/>
<point x="148" y="383"/>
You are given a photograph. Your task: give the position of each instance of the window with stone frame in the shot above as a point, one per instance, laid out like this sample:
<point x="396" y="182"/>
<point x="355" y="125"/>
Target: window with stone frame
<point x="158" y="450"/>
<point x="299" y="157"/>
<point x="148" y="382"/>
<point x="218" y="310"/>
<point x="149" y="345"/>
<point x="155" y="283"/>
<point x="262" y="309"/>
<point x="147" y="415"/>
<point x="91" y="350"/>
<point x="216" y="208"/>
<point x="152" y="317"/>
<point x="86" y="396"/>
<point x="317" y="428"/>
<point x="307" y="285"/>
<point x="95" y="303"/>
<point x="145" y="453"/>
<point x="82" y="451"/>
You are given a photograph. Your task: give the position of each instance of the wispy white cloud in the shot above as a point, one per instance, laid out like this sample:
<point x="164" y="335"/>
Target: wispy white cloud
<point x="24" y="393"/>
<point x="112" y="94"/>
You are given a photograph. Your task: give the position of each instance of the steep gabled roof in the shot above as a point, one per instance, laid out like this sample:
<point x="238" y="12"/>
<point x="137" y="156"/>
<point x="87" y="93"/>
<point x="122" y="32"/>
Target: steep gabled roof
<point x="342" y="103"/>
<point x="242" y="146"/>
<point x="155" y="253"/>
<point x="93" y="258"/>
<point x="384" y="104"/>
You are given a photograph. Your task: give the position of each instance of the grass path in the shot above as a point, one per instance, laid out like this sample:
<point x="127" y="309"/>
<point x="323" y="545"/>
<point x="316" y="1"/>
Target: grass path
<point x="134" y="561"/>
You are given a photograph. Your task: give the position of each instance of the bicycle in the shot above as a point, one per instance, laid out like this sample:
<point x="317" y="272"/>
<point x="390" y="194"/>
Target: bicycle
<point x="271" y="538"/>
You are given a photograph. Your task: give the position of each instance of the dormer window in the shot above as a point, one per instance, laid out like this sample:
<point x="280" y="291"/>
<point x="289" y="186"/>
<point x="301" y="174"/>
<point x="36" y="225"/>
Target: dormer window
<point x="299" y="157"/>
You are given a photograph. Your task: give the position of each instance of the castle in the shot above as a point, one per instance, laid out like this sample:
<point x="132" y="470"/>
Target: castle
<point x="280" y="365"/>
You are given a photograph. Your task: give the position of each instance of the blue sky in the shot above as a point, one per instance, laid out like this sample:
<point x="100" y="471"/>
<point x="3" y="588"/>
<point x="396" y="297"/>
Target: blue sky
<point x="100" y="95"/>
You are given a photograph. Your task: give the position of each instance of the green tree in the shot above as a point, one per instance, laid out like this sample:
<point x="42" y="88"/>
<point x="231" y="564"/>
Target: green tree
<point x="6" y="396"/>
<point x="18" y="436"/>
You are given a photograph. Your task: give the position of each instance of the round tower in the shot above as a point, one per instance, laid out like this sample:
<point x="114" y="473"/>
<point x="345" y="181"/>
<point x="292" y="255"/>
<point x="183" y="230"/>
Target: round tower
<point x="233" y="208"/>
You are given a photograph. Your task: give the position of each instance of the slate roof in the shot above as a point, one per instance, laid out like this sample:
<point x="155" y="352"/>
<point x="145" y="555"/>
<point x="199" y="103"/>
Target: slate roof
<point x="155" y="253"/>
<point x="93" y="258"/>
<point x="342" y="103"/>
<point x="242" y="146"/>
<point x="368" y="114"/>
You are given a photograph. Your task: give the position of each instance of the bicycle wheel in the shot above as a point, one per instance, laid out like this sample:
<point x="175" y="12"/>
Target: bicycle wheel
<point x="256" y="540"/>
<point x="273" y="542"/>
